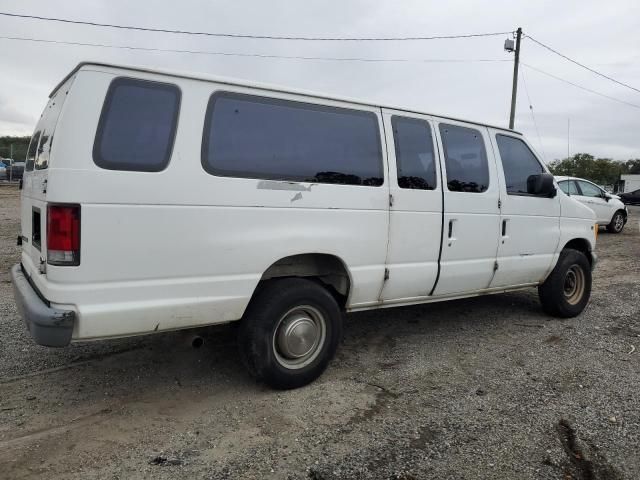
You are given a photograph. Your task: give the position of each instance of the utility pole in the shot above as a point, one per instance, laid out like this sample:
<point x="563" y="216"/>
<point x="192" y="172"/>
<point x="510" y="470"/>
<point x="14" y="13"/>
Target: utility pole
<point x="514" y="89"/>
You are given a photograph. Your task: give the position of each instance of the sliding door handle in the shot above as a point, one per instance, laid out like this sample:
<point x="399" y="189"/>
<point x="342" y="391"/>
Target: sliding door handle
<point x="505" y="229"/>
<point x="450" y="232"/>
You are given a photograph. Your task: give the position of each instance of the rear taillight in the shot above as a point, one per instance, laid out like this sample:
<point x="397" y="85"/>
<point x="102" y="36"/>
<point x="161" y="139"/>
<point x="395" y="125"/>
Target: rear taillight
<point x="63" y="234"/>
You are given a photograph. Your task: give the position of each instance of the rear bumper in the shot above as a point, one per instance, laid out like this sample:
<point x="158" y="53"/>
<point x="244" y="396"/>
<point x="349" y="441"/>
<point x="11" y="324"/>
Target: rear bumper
<point x="51" y="327"/>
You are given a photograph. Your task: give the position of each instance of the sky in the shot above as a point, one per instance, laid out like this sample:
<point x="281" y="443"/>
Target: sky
<point x="442" y="77"/>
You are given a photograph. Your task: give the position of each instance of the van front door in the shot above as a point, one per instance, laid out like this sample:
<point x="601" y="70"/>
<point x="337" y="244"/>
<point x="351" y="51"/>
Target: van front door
<point x="471" y="213"/>
<point x="529" y="224"/>
<point x="415" y="222"/>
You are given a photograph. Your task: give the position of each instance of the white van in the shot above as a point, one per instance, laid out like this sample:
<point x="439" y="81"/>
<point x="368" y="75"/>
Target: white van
<point x="157" y="201"/>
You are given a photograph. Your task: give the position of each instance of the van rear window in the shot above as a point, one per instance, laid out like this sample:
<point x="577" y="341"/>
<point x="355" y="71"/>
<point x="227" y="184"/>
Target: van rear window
<point x="31" y="153"/>
<point x="258" y="137"/>
<point x="137" y="126"/>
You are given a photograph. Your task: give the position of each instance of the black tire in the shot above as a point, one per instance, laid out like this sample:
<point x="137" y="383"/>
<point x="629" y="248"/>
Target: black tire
<point x="298" y="304"/>
<point x="617" y="222"/>
<point x="556" y="294"/>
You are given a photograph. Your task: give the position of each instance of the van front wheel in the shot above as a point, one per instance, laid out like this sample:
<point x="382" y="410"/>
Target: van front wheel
<point x="566" y="291"/>
<point x="290" y="332"/>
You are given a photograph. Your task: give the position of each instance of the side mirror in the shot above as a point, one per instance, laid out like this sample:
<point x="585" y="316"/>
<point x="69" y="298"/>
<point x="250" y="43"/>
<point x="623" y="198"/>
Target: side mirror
<point x="542" y="185"/>
<point x="606" y="196"/>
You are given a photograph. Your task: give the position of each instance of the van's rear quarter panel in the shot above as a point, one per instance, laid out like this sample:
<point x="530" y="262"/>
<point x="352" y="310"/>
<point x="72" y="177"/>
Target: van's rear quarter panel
<point x="181" y="247"/>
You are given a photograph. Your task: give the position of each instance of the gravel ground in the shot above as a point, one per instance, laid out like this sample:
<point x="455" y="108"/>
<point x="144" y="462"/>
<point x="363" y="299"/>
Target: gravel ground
<point x="480" y="388"/>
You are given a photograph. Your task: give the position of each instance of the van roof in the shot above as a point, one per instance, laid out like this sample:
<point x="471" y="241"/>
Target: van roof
<point x="274" y="88"/>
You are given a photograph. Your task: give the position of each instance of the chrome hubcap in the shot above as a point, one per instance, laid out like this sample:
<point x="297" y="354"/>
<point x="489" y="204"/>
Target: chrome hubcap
<point x="574" y="284"/>
<point x="299" y="336"/>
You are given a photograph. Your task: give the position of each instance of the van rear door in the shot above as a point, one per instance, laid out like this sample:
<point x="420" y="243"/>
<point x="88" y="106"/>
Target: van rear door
<point x="34" y="187"/>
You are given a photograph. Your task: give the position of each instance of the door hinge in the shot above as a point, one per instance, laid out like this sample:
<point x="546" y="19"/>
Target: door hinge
<point x="499" y="203"/>
<point x="495" y="266"/>
<point x="386" y="274"/>
<point x="390" y="200"/>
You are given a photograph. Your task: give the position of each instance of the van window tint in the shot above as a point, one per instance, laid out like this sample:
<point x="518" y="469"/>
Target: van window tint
<point x="256" y="137"/>
<point x="414" y="153"/>
<point x="518" y="163"/>
<point x="465" y="159"/>
<point x="32" y="151"/>
<point x="569" y="187"/>
<point x="137" y="126"/>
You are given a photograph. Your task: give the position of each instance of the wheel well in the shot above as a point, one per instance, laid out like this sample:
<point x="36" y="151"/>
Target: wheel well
<point x="581" y="245"/>
<point x="328" y="269"/>
<point x="623" y="212"/>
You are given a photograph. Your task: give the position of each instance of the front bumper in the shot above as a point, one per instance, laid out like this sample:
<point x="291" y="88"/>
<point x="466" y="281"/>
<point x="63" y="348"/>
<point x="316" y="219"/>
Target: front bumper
<point x="51" y="327"/>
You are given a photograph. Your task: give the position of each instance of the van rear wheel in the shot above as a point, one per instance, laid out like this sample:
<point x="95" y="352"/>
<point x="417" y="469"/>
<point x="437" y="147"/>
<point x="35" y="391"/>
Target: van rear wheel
<point x="290" y="332"/>
<point x="565" y="293"/>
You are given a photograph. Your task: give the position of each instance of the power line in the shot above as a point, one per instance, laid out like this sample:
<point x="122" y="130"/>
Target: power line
<point x="580" y="86"/>
<point x="582" y="65"/>
<point x="533" y="117"/>
<point x="260" y="37"/>
<point x="258" y="55"/>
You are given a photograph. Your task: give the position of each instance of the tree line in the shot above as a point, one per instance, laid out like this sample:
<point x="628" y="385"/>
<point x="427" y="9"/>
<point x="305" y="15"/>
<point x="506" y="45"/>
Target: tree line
<point x="603" y="171"/>
<point x="19" y="145"/>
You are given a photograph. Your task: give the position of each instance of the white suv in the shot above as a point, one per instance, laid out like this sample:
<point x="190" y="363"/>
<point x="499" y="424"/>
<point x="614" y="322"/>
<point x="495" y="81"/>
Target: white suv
<point x="609" y="209"/>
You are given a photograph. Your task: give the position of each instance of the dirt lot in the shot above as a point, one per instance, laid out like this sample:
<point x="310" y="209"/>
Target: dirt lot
<point x="481" y="388"/>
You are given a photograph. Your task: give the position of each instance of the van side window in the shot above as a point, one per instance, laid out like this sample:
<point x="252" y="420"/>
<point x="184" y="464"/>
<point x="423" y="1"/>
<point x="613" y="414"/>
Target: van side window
<point x="465" y="159"/>
<point x="32" y="152"/>
<point x="257" y="137"/>
<point x="414" y="153"/>
<point x="569" y="187"/>
<point x="518" y="163"/>
<point x="137" y="126"/>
